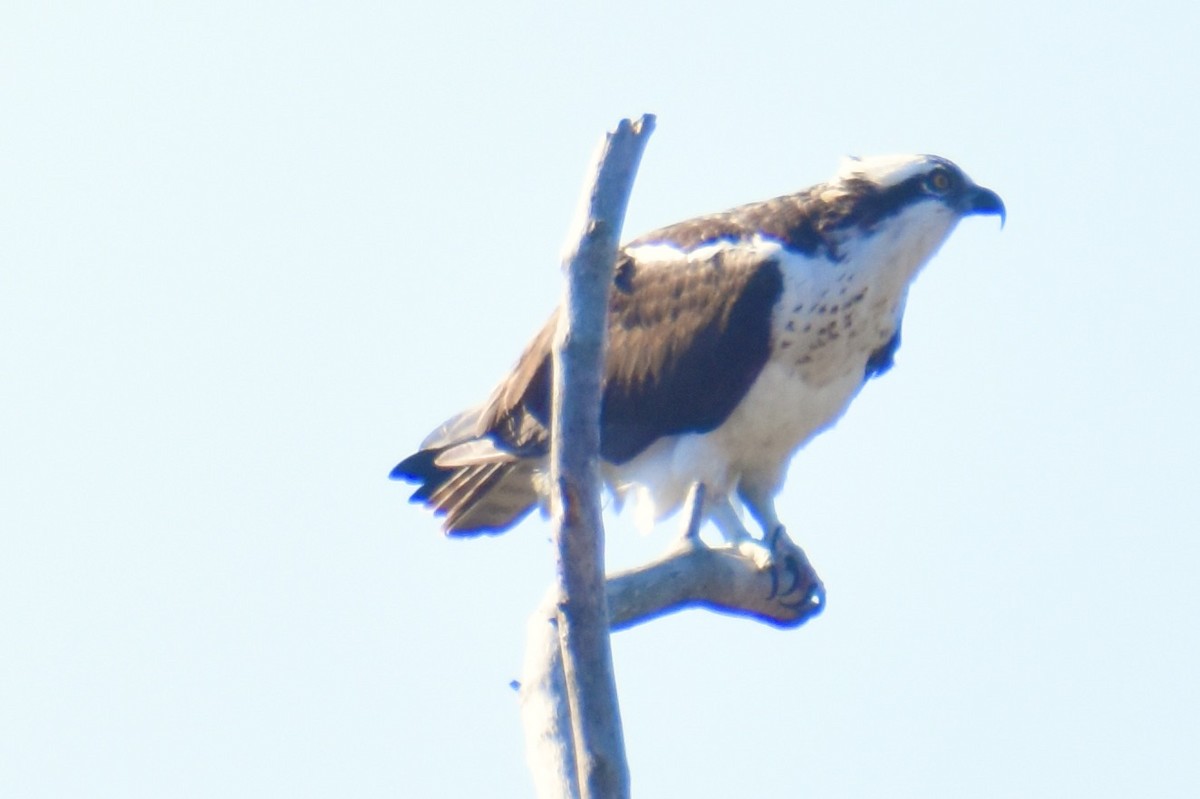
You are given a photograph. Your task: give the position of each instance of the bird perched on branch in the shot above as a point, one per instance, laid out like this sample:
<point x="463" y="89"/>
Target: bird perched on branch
<point x="733" y="339"/>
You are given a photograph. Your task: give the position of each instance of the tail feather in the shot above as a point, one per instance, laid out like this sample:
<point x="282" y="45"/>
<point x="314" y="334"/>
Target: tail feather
<point x="467" y="482"/>
<point x="473" y="498"/>
<point x="420" y="468"/>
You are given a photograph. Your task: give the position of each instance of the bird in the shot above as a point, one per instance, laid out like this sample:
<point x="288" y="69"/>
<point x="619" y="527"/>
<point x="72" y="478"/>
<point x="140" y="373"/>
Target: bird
<point x="734" y="339"/>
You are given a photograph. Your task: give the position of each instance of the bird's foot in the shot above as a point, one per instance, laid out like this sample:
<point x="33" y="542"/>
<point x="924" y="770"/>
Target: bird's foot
<point x="794" y="583"/>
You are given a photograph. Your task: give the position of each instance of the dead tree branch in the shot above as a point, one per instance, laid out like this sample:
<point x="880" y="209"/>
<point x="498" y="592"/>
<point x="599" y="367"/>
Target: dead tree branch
<point x="582" y="615"/>
<point x="568" y="697"/>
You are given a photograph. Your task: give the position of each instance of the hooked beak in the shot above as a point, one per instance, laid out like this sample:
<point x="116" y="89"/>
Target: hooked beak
<point x="978" y="200"/>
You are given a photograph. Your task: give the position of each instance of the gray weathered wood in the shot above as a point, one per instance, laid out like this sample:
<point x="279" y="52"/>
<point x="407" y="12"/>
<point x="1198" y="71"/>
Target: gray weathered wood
<point x="545" y="707"/>
<point x="691" y="575"/>
<point x="569" y="707"/>
<point x="722" y="579"/>
<point x="582" y="617"/>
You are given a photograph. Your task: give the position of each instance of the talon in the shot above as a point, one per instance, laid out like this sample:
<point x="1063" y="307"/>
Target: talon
<point x="793" y="569"/>
<point x="814" y="599"/>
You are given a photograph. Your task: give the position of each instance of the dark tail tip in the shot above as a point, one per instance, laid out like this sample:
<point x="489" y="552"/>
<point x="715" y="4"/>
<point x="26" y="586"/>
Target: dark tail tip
<point x="421" y="468"/>
<point x="476" y="499"/>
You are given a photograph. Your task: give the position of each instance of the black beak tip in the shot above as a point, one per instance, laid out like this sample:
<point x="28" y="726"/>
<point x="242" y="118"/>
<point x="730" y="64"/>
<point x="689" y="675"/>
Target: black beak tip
<point x="986" y="201"/>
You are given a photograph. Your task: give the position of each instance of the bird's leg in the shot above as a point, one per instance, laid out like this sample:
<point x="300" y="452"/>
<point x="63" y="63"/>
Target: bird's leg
<point x="694" y="517"/>
<point x="761" y="504"/>
<point x="793" y="581"/>
<point x="790" y="570"/>
<point x="726" y="518"/>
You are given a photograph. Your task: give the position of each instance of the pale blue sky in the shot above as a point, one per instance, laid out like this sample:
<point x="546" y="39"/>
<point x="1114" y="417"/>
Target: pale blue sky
<point x="250" y="256"/>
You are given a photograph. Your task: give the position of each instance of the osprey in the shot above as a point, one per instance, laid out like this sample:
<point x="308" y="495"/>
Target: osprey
<point x="733" y="339"/>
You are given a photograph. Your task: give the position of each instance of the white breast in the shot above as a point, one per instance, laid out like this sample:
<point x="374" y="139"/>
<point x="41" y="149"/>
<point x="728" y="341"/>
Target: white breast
<point x="829" y="319"/>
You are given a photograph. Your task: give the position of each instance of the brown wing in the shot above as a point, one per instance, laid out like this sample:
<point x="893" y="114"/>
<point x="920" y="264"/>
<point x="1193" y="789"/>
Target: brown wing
<point x="686" y="340"/>
<point x="687" y="337"/>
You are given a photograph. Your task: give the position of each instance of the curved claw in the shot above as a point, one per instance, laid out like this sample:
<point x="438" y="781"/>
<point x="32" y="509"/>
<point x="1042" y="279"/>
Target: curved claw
<point x="793" y="567"/>
<point x="814" y="599"/>
<point x="789" y="559"/>
<point x="793" y="570"/>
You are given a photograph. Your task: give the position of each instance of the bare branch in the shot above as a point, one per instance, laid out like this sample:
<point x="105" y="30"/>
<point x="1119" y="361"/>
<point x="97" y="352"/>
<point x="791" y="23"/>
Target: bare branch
<point x="723" y="579"/>
<point x="582" y="619"/>
<point x="546" y="708"/>
<point x="568" y="697"/>
<point x="786" y="592"/>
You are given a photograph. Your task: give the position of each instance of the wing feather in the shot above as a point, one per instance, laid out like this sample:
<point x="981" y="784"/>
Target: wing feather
<point x="687" y="337"/>
<point x="688" y="334"/>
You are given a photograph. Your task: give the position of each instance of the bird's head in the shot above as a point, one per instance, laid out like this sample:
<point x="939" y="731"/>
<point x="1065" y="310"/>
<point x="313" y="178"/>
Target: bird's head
<point x="888" y="184"/>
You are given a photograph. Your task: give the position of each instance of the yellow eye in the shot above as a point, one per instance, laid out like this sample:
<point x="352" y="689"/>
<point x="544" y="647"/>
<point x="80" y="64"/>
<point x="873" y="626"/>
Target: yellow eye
<point x="939" y="181"/>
